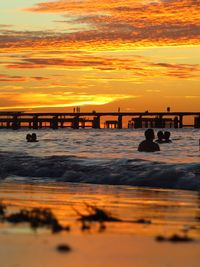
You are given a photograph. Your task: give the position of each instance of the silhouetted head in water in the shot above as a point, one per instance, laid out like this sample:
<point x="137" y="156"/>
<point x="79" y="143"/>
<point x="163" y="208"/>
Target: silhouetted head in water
<point x="167" y="136"/>
<point x="28" y="137"/>
<point x="34" y="137"/>
<point x="160" y="136"/>
<point x="149" y="134"/>
<point x="148" y="145"/>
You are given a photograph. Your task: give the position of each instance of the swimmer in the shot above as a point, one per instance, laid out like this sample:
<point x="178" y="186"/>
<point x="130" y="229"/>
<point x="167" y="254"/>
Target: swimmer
<point x="148" y="145"/>
<point x="34" y="137"/>
<point x="29" y="138"/>
<point x="160" y="136"/>
<point x="166" y="137"/>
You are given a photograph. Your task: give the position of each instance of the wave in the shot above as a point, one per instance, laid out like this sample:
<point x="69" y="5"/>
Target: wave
<point x="134" y="172"/>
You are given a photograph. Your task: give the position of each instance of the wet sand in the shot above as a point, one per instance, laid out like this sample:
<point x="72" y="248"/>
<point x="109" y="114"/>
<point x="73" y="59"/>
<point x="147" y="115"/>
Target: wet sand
<point x="95" y="250"/>
<point x="121" y="244"/>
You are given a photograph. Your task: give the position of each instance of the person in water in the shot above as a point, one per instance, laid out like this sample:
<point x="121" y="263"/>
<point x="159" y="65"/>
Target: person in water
<point x="148" y="145"/>
<point x="160" y="136"/>
<point x="166" y="137"/>
<point x="31" y="137"/>
<point x="34" y="137"/>
<point x="28" y="137"/>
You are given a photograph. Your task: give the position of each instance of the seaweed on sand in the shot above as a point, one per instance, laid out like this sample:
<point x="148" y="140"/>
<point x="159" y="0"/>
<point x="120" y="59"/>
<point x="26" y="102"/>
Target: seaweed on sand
<point x="63" y="248"/>
<point x="36" y="217"/>
<point x="174" y="239"/>
<point x="96" y="215"/>
<point x="101" y="216"/>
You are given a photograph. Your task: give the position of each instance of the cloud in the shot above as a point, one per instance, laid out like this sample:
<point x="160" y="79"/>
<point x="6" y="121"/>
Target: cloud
<point x="109" y="24"/>
<point x="132" y="67"/>
<point x="42" y="100"/>
<point x="15" y="78"/>
<point x="143" y="22"/>
<point x="5" y="26"/>
<point x="8" y="78"/>
<point x="38" y="78"/>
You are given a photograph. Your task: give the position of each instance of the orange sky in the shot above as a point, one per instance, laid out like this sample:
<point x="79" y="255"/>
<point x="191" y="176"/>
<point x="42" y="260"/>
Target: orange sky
<point x="100" y="55"/>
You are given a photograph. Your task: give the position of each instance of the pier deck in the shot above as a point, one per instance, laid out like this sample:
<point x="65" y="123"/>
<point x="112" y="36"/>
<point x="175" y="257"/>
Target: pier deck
<point x="75" y="120"/>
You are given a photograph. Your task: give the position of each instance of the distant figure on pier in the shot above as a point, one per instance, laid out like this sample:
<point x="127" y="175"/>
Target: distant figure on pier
<point x="148" y="145"/>
<point x="160" y="136"/>
<point x="166" y="137"/>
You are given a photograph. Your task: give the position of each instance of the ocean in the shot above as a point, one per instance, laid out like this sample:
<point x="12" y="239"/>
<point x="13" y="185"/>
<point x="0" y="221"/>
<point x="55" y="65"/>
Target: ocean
<point x="67" y="170"/>
<point x="101" y="156"/>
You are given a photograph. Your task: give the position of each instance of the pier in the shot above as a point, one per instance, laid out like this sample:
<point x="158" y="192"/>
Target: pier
<point x="97" y="120"/>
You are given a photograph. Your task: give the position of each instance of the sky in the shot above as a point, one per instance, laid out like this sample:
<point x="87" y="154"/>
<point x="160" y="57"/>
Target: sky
<point x="100" y="55"/>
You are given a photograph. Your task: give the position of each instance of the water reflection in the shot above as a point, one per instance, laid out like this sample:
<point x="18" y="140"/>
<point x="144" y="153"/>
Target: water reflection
<point x="169" y="210"/>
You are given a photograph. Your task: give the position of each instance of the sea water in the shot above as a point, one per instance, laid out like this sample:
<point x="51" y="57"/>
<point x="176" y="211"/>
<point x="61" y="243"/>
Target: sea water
<point x="101" y="156"/>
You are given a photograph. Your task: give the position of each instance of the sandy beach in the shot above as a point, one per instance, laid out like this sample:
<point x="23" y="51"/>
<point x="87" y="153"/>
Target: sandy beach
<point x="120" y="244"/>
<point x="94" y="250"/>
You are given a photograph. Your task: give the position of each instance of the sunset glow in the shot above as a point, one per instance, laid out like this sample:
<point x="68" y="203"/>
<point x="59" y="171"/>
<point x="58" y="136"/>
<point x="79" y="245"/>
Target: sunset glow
<point x="101" y="55"/>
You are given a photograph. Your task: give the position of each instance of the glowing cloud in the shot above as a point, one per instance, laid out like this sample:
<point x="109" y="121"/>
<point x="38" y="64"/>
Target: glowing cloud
<point x="43" y="100"/>
<point x="91" y="52"/>
<point x="143" y="22"/>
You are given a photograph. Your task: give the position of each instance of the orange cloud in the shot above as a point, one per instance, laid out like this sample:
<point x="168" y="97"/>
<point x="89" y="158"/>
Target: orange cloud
<point x="13" y="78"/>
<point x="163" y="22"/>
<point x="110" y="24"/>
<point x="136" y="66"/>
<point x="8" y="78"/>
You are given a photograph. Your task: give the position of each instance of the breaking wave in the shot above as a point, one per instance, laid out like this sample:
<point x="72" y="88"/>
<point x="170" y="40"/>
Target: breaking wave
<point x="124" y="171"/>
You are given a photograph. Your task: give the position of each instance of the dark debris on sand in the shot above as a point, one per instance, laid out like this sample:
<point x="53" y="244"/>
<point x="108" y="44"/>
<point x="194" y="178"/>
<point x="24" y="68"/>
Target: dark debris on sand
<point x="174" y="239"/>
<point x="143" y="221"/>
<point x="42" y="217"/>
<point x="63" y="248"/>
<point x="96" y="215"/>
<point x="101" y="216"/>
<point x="37" y="217"/>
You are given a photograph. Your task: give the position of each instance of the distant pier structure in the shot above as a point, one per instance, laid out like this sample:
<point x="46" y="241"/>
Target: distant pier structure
<point x="75" y="120"/>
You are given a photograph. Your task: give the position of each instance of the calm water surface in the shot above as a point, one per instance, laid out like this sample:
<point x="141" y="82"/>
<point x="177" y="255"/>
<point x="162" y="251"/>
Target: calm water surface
<point x="103" y="144"/>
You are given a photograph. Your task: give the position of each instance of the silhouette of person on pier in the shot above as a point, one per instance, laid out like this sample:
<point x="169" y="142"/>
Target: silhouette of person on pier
<point x="160" y="136"/>
<point x="148" y="145"/>
<point x="166" y="137"/>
